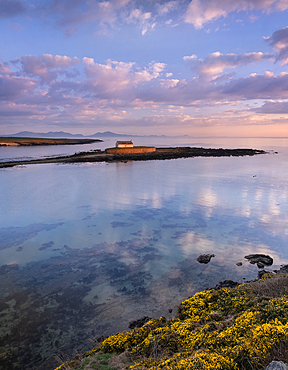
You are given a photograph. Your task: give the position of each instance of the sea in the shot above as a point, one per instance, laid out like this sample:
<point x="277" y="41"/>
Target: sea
<point x="86" y="249"/>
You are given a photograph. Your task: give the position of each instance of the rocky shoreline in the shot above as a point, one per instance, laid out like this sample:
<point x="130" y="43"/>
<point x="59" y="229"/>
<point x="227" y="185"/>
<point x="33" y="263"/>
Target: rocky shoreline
<point x="158" y="154"/>
<point x="246" y="325"/>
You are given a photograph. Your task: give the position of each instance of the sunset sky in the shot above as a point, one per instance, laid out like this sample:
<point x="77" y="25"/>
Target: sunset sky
<point x="200" y="67"/>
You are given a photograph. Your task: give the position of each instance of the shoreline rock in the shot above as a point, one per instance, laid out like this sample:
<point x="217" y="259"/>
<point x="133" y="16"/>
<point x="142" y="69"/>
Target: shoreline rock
<point x="277" y="365"/>
<point x="205" y="258"/>
<point x="260" y="259"/>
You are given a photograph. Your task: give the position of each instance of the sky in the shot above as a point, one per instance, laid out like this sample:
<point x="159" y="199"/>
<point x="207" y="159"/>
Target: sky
<point x="175" y="67"/>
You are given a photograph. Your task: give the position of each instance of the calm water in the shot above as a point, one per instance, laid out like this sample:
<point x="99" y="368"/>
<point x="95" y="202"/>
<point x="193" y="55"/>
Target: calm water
<point x="86" y="248"/>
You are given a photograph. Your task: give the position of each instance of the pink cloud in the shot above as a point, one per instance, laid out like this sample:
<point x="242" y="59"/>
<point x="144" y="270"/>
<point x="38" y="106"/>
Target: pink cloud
<point x="200" y="12"/>
<point x="46" y="66"/>
<point x="115" y="77"/>
<point x="216" y="62"/>
<point x="16" y="26"/>
<point x="4" y="69"/>
<point x="114" y="90"/>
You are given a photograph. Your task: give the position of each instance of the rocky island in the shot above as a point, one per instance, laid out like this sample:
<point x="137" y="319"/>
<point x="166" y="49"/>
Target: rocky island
<point x="138" y="154"/>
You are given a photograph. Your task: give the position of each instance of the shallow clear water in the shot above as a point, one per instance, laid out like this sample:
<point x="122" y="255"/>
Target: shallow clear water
<point x="86" y="248"/>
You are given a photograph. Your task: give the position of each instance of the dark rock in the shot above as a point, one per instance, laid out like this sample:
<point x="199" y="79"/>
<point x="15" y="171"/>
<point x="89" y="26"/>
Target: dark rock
<point x="138" y="323"/>
<point x="284" y="268"/>
<point x="260" y="265"/>
<point x="205" y="258"/>
<point x="239" y="263"/>
<point x="226" y="284"/>
<point x="101" y="339"/>
<point x="261" y="259"/>
<point x="277" y="365"/>
<point x="261" y="273"/>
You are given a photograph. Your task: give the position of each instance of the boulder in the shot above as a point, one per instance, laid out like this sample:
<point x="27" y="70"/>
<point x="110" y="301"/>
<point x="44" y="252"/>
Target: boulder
<point x="261" y="273"/>
<point x="226" y="284"/>
<point x="260" y="259"/>
<point x="277" y="365"/>
<point x="205" y="258"/>
<point x="138" y="323"/>
<point x="284" y="268"/>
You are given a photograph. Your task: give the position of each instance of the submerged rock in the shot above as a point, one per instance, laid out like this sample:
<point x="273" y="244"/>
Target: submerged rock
<point x="239" y="263"/>
<point x="277" y="365"/>
<point x="260" y="259"/>
<point x="226" y="284"/>
<point x="205" y="258"/>
<point x="140" y="322"/>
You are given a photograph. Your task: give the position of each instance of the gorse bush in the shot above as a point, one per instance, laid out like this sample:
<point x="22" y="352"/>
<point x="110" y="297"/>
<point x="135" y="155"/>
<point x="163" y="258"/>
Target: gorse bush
<point x="226" y="329"/>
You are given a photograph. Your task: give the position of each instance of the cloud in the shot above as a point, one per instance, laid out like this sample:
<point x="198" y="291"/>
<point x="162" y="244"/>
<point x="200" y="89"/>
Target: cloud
<point x="83" y="11"/>
<point x="273" y="107"/>
<point x="4" y="69"/>
<point x="122" y="84"/>
<point x="12" y="8"/>
<point x="143" y="19"/>
<point x="103" y="13"/>
<point x="256" y="86"/>
<point x="167" y="7"/>
<point x="46" y="66"/>
<point x="216" y="62"/>
<point x="70" y="32"/>
<point x="112" y="78"/>
<point x="16" y="26"/>
<point x="279" y="41"/>
<point x="44" y="86"/>
<point x="200" y="12"/>
<point x="12" y="87"/>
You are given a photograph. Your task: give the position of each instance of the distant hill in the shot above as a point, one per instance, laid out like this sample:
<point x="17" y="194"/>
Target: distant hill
<point x="62" y="134"/>
<point x="52" y="134"/>
<point x="110" y="134"/>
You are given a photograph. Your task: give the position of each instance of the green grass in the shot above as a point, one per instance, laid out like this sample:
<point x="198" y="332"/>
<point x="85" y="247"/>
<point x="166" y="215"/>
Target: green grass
<point x="98" y="362"/>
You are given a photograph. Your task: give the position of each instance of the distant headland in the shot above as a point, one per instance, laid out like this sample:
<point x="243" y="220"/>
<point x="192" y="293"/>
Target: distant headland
<point x="30" y="141"/>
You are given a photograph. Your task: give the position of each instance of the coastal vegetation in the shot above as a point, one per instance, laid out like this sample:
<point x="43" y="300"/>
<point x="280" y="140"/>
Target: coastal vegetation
<point x="224" y="329"/>
<point x="28" y="141"/>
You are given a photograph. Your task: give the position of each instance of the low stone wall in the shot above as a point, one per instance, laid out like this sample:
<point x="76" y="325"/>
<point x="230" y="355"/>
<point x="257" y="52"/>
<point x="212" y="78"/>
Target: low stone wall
<point x="131" y="150"/>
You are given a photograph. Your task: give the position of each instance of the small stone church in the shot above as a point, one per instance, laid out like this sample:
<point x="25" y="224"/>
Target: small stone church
<point x="124" y="144"/>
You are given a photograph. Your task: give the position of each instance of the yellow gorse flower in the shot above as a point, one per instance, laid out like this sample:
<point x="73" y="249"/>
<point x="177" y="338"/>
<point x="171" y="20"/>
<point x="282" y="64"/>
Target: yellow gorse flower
<point x="220" y="330"/>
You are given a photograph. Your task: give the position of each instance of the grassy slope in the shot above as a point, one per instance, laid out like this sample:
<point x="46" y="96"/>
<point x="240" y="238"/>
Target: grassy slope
<point x="240" y="328"/>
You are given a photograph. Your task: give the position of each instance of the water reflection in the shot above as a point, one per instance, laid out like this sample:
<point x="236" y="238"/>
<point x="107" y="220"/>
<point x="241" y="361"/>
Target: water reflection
<point x="85" y="249"/>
